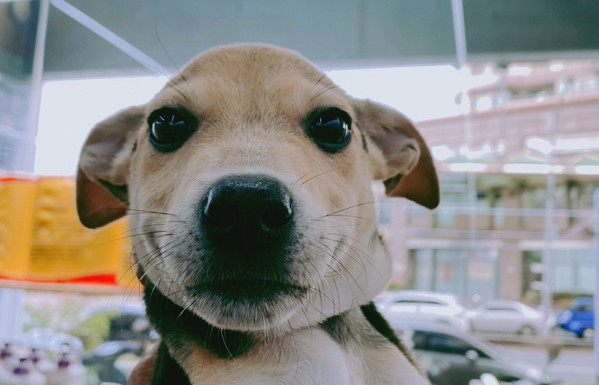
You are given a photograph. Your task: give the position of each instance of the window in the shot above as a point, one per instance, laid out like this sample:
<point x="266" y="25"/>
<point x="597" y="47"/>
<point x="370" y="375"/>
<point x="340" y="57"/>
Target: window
<point x="406" y="301"/>
<point x="442" y="343"/>
<point x="418" y="302"/>
<point x="435" y="303"/>
<point x="501" y="308"/>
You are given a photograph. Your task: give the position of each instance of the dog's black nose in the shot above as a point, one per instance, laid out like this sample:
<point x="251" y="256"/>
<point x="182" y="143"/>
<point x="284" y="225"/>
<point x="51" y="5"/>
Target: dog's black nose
<point x="248" y="214"/>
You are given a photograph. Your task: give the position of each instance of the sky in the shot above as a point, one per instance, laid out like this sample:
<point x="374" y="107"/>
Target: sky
<point x="70" y="108"/>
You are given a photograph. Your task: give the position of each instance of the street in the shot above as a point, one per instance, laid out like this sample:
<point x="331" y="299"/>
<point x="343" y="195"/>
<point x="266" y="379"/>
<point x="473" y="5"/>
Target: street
<point x="575" y="365"/>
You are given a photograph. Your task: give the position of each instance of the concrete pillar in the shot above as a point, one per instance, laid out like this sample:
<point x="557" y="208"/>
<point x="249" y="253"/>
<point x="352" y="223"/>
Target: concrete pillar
<point x="510" y="274"/>
<point x="397" y="242"/>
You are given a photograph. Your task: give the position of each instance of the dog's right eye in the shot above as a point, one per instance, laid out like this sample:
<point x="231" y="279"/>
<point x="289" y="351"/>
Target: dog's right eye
<point x="169" y="128"/>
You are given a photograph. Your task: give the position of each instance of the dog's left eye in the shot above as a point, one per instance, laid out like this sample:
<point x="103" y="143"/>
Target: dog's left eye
<point x="330" y="129"/>
<point x="169" y="128"/>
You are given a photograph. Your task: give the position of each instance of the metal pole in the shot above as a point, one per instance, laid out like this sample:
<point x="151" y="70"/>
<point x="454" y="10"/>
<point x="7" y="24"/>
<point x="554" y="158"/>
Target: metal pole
<point x="11" y="300"/>
<point x="459" y="32"/>
<point x="37" y="71"/>
<point x="547" y="293"/>
<point x="596" y="300"/>
<point x="111" y="37"/>
<point x="11" y="316"/>
<point x="549" y="226"/>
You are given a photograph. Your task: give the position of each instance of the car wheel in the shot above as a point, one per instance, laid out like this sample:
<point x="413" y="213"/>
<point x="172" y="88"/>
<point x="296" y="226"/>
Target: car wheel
<point x="587" y="333"/>
<point x="527" y="330"/>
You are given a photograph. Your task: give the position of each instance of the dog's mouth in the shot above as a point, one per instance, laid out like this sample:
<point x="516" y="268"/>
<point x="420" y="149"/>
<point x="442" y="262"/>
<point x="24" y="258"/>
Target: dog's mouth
<point x="247" y="291"/>
<point x="245" y="304"/>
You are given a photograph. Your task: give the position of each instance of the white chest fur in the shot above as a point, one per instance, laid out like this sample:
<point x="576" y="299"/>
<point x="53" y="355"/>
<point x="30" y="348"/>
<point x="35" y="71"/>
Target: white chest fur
<point x="309" y="357"/>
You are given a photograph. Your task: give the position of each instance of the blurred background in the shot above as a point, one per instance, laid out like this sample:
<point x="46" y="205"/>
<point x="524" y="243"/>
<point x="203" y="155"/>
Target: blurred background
<point x="505" y="92"/>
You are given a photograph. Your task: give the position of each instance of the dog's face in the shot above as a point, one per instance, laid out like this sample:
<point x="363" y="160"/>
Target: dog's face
<point x="248" y="184"/>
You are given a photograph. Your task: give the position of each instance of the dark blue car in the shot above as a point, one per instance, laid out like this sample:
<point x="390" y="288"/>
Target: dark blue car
<point x="580" y="318"/>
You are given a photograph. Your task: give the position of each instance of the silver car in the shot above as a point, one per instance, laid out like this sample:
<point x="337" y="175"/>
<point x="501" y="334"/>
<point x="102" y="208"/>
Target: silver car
<point x="502" y="316"/>
<point x="415" y="305"/>
<point x="451" y="357"/>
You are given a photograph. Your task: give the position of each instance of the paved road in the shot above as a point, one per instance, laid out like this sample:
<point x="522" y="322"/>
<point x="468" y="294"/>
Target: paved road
<point x="575" y="366"/>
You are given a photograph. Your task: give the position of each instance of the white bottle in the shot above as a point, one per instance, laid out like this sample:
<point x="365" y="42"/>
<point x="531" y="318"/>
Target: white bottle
<point x="25" y="374"/>
<point x="41" y="362"/>
<point x="70" y="371"/>
<point x="5" y="376"/>
<point x="8" y="356"/>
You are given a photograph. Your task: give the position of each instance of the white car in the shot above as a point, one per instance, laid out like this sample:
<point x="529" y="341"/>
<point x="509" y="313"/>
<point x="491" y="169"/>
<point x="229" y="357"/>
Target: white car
<point x="502" y="316"/>
<point x="412" y="305"/>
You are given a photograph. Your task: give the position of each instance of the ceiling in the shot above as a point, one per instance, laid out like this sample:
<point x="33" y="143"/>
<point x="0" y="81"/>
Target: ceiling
<point x="334" y="33"/>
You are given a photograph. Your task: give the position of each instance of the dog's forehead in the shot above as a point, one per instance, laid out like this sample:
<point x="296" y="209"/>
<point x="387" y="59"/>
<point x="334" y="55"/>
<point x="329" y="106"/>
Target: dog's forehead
<point x="244" y="76"/>
<point x="238" y="61"/>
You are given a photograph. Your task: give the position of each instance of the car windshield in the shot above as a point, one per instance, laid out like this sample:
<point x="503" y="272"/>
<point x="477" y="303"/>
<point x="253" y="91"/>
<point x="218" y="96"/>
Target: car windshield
<point x="480" y="345"/>
<point x="440" y="301"/>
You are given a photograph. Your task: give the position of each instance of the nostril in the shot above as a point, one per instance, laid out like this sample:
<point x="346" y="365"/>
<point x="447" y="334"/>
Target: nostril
<point x="276" y="216"/>
<point x="220" y="215"/>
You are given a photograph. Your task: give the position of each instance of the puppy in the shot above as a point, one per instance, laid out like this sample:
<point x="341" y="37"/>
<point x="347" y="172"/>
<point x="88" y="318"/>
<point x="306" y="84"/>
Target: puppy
<point x="247" y="180"/>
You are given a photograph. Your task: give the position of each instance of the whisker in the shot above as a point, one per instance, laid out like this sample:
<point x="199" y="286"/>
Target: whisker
<point x="349" y="207"/>
<point x="348" y="216"/>
<point x="333" y="255"/>
<point x="142" y="211"/>
<point x="316" y="176"/>
<point x="157" y="33"/>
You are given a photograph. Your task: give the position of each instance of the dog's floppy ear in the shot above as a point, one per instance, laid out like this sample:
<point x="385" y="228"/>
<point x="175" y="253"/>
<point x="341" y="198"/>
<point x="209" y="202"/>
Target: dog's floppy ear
<point x="406" y="165"/>
<point x="104" y="166"/>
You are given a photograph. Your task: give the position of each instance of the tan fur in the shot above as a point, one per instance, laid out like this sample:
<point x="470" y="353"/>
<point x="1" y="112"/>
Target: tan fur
<point x="143" y="372"/>
<point x="251" y="102"/>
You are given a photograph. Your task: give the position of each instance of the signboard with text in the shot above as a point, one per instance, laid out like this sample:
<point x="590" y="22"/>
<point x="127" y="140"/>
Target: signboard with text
<point x="42" y="241"/>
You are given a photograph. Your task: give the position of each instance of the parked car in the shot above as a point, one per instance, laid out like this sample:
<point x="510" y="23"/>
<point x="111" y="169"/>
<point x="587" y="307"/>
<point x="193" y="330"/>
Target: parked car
<point x="500" y="316"/>
<point x="412" y="305"/>
<point x="580" y="318"/>
<point x="452" y="357"/>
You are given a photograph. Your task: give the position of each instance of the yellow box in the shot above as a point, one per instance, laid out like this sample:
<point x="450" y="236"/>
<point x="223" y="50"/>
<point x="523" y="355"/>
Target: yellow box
<point x="16" y="221"/>
<point x="62" y="250"/>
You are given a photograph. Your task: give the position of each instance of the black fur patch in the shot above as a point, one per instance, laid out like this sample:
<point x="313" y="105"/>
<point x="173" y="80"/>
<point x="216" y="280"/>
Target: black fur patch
<point x="382" y="326"/>
<point x="168" y="370"/>
<point x="334" y="327"/>
<point x="380" y="323"/>
<point x="177" y="324"/>
<point x="339" y="328"/>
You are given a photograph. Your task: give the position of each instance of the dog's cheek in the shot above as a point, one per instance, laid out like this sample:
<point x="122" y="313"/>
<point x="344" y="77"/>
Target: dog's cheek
<point x="350" y="196"/>
<point x="151" y="221"/>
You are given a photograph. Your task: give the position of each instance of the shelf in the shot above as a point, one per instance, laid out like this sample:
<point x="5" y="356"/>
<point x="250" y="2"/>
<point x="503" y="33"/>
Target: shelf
<point x="69" y="287"/>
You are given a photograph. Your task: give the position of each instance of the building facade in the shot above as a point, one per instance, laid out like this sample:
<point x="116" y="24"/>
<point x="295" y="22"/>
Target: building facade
<point x="517" y="174"/>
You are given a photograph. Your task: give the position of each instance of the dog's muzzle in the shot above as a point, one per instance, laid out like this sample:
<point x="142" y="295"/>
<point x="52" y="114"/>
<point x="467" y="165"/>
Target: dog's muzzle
<point x="247" y="225"/>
